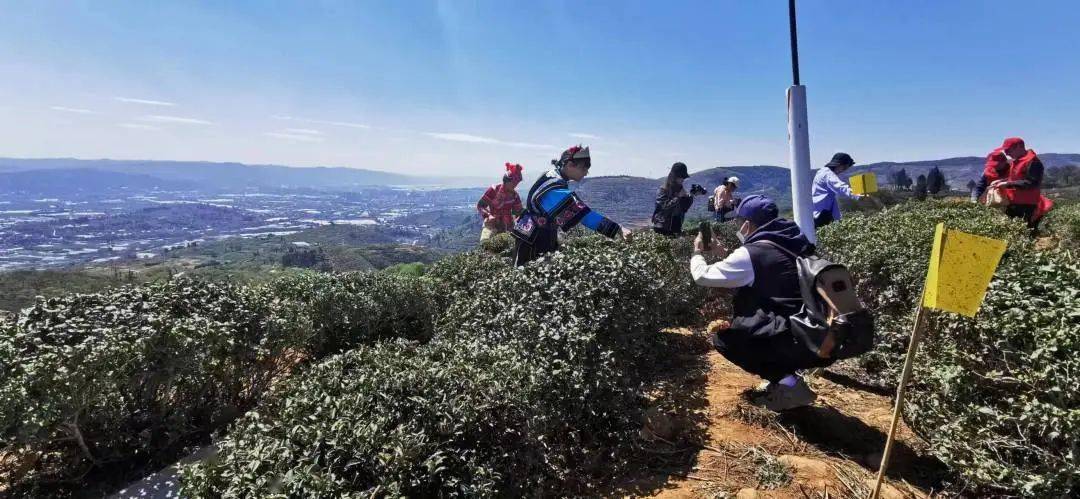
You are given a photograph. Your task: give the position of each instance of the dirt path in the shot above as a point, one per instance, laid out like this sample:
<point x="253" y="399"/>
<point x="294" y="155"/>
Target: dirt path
<point x="718" y="445"/>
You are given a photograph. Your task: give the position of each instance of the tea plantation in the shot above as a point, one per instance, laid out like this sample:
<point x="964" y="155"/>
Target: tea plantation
<point x="473" y="378"/>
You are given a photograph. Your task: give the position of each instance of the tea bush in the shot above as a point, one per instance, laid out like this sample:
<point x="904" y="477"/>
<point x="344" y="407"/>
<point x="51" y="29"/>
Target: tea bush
<point x="133" y="373"/>
<point x="529" y="386"/>
<point x="994" y="395"/>
<point x="584" y="319"/>
<point x="889" y="253"/>
<point x="324" y="313"/>
<point x="88" y="379"/>
<point x="389" y="421"/>
<point x="499" y="244"/>
<point x="1063" y="223"/>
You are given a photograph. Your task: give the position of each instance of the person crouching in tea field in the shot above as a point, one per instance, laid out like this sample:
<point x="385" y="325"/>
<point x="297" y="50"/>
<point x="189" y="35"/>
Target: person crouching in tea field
<point x="762" y="271"/>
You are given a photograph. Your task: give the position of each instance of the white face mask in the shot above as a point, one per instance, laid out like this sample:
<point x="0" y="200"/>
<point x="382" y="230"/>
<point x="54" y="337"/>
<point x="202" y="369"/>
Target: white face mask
<point x="739" y="234"/>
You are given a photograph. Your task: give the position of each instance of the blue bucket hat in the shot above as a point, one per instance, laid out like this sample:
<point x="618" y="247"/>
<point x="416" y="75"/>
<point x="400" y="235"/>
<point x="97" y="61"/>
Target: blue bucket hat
<point x="758" y="209"/>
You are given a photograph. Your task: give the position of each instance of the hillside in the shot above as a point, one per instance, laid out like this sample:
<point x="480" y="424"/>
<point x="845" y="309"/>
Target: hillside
<point x="80" y="182"/>
<point x="957" y="170"/>
<point x="162" y="223"/>
<point x="340" y="248"/>
<point x="630" y="200"/>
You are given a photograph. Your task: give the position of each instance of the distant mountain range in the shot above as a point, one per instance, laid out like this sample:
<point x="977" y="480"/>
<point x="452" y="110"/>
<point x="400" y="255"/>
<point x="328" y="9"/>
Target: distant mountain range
<point x="624" y="195"/>
<point x="62" y="182"/>
<point x="957" y="171"/>
<point x="629" y="199"/>
<point x="207" y="175"/>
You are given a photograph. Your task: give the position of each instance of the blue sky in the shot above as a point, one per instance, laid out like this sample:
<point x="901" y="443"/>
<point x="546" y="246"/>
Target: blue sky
<point x="459" y="87"/>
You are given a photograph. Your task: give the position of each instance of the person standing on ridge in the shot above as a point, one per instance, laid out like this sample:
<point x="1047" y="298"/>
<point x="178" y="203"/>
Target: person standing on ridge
<point x="500" y="204"/>
<point x="724" y="200"/>
<point x="1023" y="186"/>
<point x="672" y="202"/>
<point x="827" y="185"/>
<point x="763" y="272"/>
<point x="551" y="205"/>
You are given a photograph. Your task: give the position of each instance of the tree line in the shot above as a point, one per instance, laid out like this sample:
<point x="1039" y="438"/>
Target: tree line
<point x="934" y="181"/>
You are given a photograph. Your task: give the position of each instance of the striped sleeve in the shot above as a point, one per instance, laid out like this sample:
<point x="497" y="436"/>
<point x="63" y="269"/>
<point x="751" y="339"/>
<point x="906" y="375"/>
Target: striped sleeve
<point x="568" y="210"/>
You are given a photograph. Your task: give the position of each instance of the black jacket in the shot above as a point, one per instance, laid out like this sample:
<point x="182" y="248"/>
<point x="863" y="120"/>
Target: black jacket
<point x="670" y="211"/>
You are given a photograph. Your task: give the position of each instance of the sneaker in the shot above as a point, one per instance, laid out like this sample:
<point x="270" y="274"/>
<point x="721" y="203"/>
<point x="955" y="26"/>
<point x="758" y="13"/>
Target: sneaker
<point x="778" y="397"/>
<point x="761" y="389"/>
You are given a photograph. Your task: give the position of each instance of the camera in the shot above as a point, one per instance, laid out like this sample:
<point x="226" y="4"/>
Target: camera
<point x="697" y="190"/>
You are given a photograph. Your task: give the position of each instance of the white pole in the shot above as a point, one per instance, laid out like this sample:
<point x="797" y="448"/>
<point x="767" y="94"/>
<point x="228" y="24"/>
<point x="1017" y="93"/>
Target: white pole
<point x="799" y="140"/>
<point x="799" y="161"/>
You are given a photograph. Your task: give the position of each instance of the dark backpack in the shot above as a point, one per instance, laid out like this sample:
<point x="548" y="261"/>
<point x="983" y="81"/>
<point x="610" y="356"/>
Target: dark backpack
<point x="832" y="322"/>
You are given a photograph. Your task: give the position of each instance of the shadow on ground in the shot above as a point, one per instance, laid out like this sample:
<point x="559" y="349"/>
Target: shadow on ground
<point x="676" y="416"/>
<point x="839" y="434"/>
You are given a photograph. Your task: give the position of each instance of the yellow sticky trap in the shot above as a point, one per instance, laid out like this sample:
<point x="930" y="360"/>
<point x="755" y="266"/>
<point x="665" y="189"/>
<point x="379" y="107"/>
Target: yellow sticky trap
<point x="863" y="183"/>
<point x="961" y="266"/>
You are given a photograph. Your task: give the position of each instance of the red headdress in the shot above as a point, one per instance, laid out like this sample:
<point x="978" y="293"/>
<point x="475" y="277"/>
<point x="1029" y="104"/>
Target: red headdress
<point x="514" y="171"/>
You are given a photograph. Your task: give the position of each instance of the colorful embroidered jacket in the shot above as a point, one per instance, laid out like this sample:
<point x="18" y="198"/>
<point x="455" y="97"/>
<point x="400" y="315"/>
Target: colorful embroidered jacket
<point x="551" y="205"/>
<point x="501" y="206"/>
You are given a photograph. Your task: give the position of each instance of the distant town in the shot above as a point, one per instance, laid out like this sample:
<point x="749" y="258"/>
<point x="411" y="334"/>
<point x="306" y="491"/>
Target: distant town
<point x="40" y="233"/>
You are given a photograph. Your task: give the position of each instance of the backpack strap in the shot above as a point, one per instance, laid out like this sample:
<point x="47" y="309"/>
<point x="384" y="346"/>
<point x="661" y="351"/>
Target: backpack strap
<point x="807" y="276"/>
<point x="777" y="246"/>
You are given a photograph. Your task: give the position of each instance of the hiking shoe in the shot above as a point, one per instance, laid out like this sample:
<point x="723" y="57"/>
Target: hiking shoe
<point x="778" y="397"/>
<point x="761" y="389"/>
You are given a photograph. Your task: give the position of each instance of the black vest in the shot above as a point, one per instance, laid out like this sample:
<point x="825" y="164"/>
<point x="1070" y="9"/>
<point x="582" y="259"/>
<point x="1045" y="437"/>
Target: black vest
<point x="773" y="295"/>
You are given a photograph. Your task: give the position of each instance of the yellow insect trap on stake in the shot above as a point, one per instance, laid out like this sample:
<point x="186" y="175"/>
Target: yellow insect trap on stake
<point x="863" y="183"/>
<point x="961" y="266"/>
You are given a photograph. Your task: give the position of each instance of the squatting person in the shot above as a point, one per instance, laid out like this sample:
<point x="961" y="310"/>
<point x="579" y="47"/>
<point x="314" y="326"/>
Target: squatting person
<point x="763" y="272"/>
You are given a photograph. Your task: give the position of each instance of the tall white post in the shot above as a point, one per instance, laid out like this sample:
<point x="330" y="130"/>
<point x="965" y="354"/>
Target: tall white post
<point x="799" y="161"/>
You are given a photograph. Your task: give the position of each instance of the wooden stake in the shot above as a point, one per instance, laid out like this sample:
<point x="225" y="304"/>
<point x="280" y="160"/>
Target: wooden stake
<point x="913" y="346"/>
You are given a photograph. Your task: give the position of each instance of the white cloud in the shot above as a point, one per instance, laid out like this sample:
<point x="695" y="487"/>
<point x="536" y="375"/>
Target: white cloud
<point x="71" y="110"/>
<point x="476" y="139"/>
<point x="463" y="137"/>
<point x="341" y="123"/>
<point x="346" y="124"/>
<point x="528" y="145"/>
<point x="304" y="131"/>
<point x="298" y="137"/>
<point x="139" y="126"/>
<point x="175" y="119"/>
<point x="588" y="136"/>
<point x="144" y="101"/>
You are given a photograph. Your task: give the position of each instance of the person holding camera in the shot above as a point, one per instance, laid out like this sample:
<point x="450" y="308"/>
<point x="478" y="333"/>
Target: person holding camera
<point x="764" y="274"/>
<point x="672" y="202"/>
<point x="724" y="200"/>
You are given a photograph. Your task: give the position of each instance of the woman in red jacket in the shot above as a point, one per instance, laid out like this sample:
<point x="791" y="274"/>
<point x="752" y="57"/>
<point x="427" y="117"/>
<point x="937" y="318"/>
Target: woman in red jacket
<point x="1023" y="186"/>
